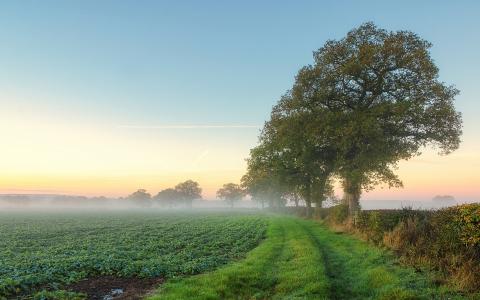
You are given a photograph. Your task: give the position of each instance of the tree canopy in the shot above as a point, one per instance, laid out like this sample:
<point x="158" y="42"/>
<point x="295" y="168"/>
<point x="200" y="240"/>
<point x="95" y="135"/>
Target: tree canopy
<point x="262" y="180"/>
<point x="167" y="197"/>
<point x="140" y="197"/>
<point x="231" y="193"/>
<point x="369" y="100"/>
<point x="188" y="191"/>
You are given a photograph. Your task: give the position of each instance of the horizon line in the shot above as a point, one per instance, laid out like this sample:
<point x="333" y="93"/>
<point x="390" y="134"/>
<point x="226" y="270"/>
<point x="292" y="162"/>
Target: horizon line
<point x="194" y="126"/>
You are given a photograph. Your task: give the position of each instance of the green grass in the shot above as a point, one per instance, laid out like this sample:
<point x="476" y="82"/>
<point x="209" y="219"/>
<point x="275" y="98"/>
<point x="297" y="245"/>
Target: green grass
<point x="304" y="260"/>
<point x="48" y="251"/>
<point x="283" y="266"/>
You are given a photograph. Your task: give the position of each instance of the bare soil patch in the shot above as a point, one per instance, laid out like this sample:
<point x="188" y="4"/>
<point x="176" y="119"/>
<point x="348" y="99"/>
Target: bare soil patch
<point x="111" y="287"/>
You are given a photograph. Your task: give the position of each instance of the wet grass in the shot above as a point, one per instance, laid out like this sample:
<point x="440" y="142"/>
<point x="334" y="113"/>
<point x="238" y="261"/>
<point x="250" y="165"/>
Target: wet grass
<point x="304" y="260"/>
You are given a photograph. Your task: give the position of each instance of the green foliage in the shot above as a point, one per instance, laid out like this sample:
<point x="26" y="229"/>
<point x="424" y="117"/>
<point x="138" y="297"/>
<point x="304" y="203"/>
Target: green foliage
<point x="382" y="92"/>
<point x="374" y="223"/>
<point x="141" y="197"/>
<point x="467" y="219"/>
<point x="58" y="295"/>
<point x="231" y="193"/>
<point x="183" y="194"/>
<point x="446" y="240"/>
<point x="338" y="213"/>
<point x="369" y="100"/>
<point x="303" y="150"/>
<point x="53" y="250"/>
<point x="262" y="180"/>
<point x="167" y="197"/>
<point x="189" y="191"/>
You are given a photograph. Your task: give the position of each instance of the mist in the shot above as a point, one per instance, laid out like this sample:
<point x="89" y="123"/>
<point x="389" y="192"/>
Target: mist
<point x="53" y="202"/>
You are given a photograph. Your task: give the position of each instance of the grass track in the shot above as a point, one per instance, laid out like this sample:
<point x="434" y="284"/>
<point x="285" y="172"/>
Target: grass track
<point x="304" y="260"/>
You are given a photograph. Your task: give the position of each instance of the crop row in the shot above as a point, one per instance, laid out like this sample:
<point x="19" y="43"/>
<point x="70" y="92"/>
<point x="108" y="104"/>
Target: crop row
<point x="51" y="251"/>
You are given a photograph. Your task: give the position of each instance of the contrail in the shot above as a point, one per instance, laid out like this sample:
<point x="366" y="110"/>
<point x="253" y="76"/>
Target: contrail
<point x="202" y="155"/>
<point x="186" y="126"/>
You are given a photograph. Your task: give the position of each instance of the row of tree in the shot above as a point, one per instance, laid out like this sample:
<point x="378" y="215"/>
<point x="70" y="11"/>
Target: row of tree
<point x="182" y="194"/>
<point x="369" y="100"/>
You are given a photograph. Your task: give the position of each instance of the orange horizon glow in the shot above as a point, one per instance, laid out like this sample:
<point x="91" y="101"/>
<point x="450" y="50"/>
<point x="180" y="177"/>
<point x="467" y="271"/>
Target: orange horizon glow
<point x="49" y="154"/>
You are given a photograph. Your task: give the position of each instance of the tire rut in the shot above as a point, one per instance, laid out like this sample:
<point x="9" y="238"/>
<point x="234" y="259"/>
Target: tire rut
<point x="335" y="271"/>
<point x="276" y="258"/>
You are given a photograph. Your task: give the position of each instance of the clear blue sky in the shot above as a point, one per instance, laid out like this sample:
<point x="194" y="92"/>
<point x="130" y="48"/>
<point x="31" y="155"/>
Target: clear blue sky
<point x="154" y="63"/>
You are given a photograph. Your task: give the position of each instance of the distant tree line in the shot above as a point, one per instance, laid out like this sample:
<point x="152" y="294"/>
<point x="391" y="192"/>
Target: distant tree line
<point x="182" y="195"/>
<point x="369" y="100"/>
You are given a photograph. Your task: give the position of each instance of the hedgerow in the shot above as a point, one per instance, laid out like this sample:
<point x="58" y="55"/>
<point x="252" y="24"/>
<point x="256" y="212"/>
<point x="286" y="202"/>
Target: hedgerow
<point x="447" y="240"/>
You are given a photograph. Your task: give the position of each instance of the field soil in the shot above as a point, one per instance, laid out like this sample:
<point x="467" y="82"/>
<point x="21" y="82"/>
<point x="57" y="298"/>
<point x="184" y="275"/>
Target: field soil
<point x="104" y="287"/>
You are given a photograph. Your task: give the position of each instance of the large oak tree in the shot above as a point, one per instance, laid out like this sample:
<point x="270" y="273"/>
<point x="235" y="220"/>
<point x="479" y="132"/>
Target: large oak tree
<point x="379" y="93"/>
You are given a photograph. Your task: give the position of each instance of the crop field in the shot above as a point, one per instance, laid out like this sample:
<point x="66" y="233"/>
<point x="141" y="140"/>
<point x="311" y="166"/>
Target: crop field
<point x="203" y="255"/>
<point x="51" y="251"/>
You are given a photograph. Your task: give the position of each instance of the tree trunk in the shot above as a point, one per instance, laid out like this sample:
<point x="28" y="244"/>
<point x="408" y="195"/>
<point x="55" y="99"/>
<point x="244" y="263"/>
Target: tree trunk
<point x="351" y="195"/>
<point x="271" y="203"/>
<point x="308" y="200"/>
<point x="309" y="208"/>
<point x="318" y="207"/>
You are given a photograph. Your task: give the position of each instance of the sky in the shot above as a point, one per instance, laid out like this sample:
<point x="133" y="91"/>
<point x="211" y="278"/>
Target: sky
<point x="105" y="97"/>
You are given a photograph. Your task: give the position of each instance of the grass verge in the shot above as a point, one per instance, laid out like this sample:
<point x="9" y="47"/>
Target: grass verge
<point x="304" y="260"/>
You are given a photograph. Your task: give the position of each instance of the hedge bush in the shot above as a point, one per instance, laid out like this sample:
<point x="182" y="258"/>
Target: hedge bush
<point x="447" y="240"/>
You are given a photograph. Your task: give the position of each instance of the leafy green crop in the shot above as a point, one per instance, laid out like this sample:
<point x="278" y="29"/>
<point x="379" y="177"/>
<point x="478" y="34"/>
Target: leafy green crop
<point x="51" y="250"/>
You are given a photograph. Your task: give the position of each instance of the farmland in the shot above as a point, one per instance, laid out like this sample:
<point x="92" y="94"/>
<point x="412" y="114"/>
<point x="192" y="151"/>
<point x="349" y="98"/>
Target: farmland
<point x="51" y="251"/>
<point x="207" y="255"/>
